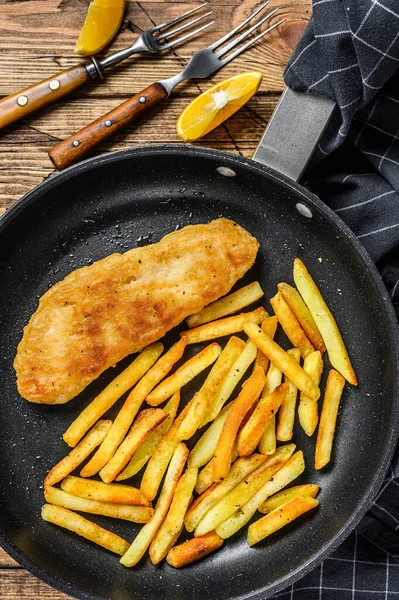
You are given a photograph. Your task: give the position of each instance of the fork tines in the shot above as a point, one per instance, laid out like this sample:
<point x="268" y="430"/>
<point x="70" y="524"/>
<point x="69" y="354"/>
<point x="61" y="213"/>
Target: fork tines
<point x="245" y="34"/>
<point x="167" y="35"/>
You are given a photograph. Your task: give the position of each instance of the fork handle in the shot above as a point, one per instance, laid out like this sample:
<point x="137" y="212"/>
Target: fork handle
<point x="22" y="103"/>
<point x="75" y="147"/>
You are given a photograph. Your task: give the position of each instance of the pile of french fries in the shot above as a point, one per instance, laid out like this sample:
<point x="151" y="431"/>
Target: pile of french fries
<point x="235" y="469"/>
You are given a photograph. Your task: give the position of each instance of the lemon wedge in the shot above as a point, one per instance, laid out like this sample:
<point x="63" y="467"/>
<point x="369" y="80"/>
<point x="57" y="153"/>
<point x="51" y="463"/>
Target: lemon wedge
<point x="103" y="20"/>
<point x="217" y="104"/>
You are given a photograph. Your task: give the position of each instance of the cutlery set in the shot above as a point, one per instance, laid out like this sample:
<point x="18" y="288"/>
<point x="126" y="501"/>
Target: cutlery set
<point x="155" y="40"/>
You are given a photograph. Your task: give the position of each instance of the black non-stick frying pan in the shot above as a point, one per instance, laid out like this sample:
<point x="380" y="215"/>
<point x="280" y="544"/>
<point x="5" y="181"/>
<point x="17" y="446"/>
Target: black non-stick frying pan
<point x="113" y="203"/>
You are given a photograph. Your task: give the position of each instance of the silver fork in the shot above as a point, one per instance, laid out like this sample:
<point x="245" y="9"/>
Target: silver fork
<point x="154" y="40"/>
<point x="202" y="64"/>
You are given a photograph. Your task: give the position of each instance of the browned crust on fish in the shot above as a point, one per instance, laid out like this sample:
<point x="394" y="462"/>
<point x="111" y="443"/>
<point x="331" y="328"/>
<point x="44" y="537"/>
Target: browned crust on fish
<point x="100" y="314"/>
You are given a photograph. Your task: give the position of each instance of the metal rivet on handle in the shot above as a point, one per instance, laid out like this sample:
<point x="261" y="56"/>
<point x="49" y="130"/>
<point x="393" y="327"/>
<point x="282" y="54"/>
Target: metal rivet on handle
<point x="22" y="100"/>
<point x="143" y="100"/>
<point x="75" y="143"/>
<point x="304" y="210"/>
<point x="108" y="123"/>
<point x="54" y="84"/>
<point x="226" y="171"/>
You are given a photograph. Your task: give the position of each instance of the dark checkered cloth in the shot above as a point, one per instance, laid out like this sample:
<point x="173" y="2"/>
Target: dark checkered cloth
<point x="350" y="53"/>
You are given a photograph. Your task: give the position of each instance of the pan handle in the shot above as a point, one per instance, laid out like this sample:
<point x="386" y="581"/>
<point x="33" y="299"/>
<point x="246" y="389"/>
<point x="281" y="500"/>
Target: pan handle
<point x="292" y="134"/>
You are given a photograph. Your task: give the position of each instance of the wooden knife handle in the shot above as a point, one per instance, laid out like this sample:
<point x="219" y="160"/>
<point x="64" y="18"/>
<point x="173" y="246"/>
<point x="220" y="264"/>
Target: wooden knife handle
<point x="78" y="145"/>
<point x="41" y="94"/>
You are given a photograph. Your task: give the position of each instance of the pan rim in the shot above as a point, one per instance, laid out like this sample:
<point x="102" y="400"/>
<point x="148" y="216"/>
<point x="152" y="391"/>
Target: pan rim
<point x="189" y="150"/>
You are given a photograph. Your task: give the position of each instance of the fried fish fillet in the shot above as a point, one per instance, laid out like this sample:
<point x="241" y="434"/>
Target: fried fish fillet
<point x="99" y="314"/>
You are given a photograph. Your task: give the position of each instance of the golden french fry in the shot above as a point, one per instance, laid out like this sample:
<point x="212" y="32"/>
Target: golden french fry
<point x="307" y="489"/>
<point x="131" y="406"/>
<point x="261" y="361"/>
<point x="235" y="374"/>
<point x="279" y="517"/>
<point x="241" y="493"/>
<point x="137" y="514"/>
<point x="336" y="350"/>
<point x="143" y="426"/>
<point x="184" y="374"/>
<point x="205" y="478"/>
<point x="204" y="449"/>
<point x="79" y="453"/>
<point x="286" y="415"/>
<point x="267" y="444"/>
<point x="282" y="360"/>
<point x="226" y="326"/>
<point x="148" y="532"/>
<point x="160" y="459"/>
<point x="249" y="394"/>
<point x="250" y="435"/>
<point x="246" y="418"/>
<point x="288" y="472"/>
<point x="172" y="525"/>
<point x="147" y="448"/>
<point x="103" y="492"/>
<point x="269" y="326"/>
<point x="199" y="507"/>
<point x="107" y="398"/>
<point x="175" y="537"/>
<point x="308" y="412"/>
<point x="78" y="524"/>
<point x="227" y="305"/>
<point x="291" y="326"/>
<point x="274" y="377"/>
<point x="239" y="470"/>
<point x="303" y="314"/>
<point x="328" y="418"/>
<point x="210" y="387"/>
<point x="193" y="550"/>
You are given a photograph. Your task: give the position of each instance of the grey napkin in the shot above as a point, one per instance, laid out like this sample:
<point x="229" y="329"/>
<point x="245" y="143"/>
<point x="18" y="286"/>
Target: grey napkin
<point x="350" y="53"/>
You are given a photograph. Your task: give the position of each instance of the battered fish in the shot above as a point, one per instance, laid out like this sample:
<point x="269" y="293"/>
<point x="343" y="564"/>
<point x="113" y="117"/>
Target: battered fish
<point x="101" y="313"/>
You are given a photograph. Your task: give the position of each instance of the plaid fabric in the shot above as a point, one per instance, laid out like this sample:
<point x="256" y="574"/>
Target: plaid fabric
<point x="350" y="53"/>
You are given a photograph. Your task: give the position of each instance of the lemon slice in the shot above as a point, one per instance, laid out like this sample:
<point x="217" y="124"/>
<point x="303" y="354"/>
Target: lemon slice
<point x="217" y="104"/>
<point x="103" y="20"/>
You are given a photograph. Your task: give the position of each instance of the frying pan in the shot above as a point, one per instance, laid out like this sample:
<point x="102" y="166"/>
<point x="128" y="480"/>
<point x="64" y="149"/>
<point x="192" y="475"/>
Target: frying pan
<point x="114" y="202"/>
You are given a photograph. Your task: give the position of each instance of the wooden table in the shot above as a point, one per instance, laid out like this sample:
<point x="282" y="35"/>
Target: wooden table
<point x="37" y="41"/>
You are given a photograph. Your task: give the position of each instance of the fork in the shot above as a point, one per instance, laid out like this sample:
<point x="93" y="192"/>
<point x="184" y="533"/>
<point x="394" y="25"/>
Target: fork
<point x="201" y="65"/>
<point x="153" y="40"/>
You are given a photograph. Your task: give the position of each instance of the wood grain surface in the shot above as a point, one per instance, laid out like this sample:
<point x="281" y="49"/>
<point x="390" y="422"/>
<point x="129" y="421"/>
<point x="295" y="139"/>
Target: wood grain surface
<point x="37" y="38"/>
